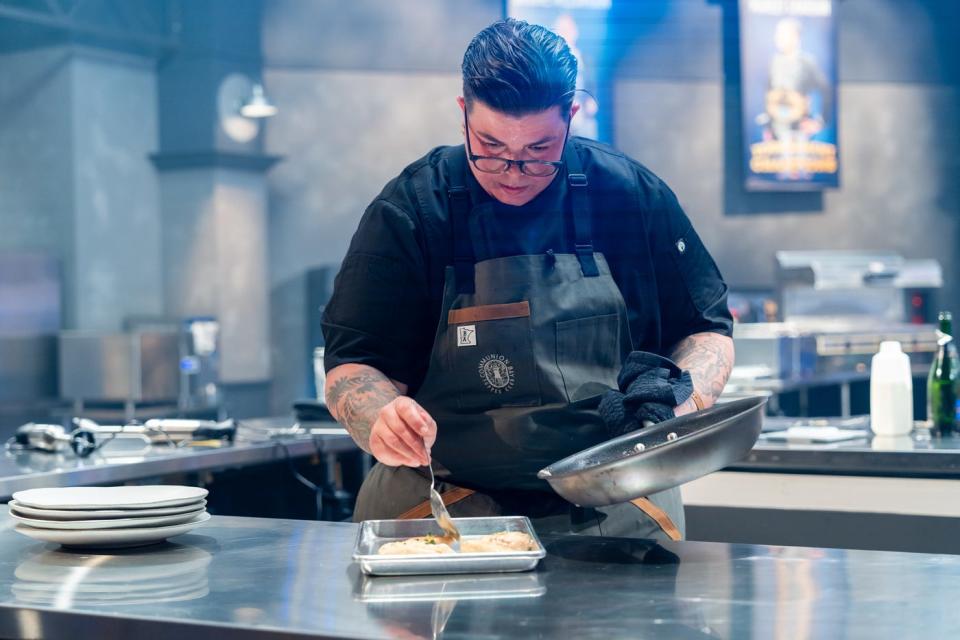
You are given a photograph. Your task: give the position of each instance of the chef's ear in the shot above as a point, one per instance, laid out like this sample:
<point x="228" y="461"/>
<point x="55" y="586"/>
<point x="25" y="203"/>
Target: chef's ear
<point x="463" y="107"/>
<point x="573" y="109"/>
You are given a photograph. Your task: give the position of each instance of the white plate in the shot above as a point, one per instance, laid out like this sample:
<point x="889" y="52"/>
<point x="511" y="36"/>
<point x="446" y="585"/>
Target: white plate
<point x="101" y="514"/>
<point x="111" y="538"/>
<point x="112" y="523"/>
<point x="135" y="497"/>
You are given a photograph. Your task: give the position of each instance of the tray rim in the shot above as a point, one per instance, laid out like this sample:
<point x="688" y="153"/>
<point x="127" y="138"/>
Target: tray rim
<point x="359" y="557"/>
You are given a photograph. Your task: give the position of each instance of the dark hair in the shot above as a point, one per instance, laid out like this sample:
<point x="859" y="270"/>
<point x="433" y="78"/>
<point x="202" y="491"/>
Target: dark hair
<point x="519" y="68"/>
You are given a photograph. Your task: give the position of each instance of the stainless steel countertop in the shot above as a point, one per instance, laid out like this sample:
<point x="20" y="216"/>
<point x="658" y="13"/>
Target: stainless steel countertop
<point x="916" y="455"/>
<point x="261" y="578"/>
<point x="126" y="461"/>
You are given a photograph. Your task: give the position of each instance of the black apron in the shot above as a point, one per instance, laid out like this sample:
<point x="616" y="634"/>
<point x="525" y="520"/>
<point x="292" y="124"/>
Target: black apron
<point x="525" y="346"/>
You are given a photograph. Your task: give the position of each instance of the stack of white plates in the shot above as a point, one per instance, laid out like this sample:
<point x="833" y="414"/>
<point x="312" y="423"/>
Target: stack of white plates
<point x="108" y="516"/>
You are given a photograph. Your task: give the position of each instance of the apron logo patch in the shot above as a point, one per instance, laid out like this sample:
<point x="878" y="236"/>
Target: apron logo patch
<point x="467" y="335"/>
<point x="496" y="373"/>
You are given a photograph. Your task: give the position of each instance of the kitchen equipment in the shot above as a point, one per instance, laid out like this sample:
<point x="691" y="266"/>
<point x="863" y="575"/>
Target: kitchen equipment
<point x="111" y="538"/>
<point x="100" y="514"/>
<point x="89" y="436"/>
<point x="375" y="533"/>
<point x="199" y="344"/>
<point x="132" y="497"/>
<point x="803" y="350"/>
<point x="51" y="438"/>
<point x="442" y="516"/>
<point x="656" y="458"/>
<point x="139" y="527"/>
<point x="826" y="285"/>
<point x="836" y="308"/>
<point x="173" y="431"/>
<point x="141" y="366"/>
<point x="107" y="523"/>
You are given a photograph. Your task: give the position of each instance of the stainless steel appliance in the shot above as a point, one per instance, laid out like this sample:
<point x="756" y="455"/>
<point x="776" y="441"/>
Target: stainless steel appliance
<point x="130" y="368"/>
<point x="200" y="363"/>
<point x="836" y="307"/>
<point x="853" y="286"/>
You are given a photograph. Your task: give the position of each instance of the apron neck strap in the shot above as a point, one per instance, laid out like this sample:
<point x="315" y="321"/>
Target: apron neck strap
<point x="459" y="197"/>
<point x="460" y="205"/>
<point x="582" y="214"/>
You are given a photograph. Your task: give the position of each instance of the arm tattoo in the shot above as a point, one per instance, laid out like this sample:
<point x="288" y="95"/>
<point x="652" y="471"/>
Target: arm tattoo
<point x="709" y="358"/>
<point x="357" y="399"/>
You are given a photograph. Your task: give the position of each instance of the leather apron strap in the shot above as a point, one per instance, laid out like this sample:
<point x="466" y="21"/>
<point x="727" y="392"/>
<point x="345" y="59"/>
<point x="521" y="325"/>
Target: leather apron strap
<point x="659" y="516"/>
<point x="450" y="497"/>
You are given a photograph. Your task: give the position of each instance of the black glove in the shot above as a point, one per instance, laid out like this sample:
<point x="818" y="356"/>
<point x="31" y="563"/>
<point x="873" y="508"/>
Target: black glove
<point x="650" y="387"/>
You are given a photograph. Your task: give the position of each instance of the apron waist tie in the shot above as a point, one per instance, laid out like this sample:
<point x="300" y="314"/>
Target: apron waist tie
<point x="659" y="516"/>
<point x="450" y="497"/>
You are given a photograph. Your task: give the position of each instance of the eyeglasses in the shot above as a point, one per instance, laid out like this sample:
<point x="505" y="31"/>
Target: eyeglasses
<point x="492" y="164"/>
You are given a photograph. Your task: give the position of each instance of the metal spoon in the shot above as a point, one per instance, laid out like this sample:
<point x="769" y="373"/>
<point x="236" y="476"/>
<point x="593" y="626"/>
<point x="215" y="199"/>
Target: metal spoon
<point x="442" y="516"/>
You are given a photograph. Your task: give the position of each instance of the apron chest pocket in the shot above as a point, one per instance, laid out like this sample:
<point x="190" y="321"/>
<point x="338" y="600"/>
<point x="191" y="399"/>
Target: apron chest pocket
<point x="491" y="357"/>
<point x="588" y="355"/>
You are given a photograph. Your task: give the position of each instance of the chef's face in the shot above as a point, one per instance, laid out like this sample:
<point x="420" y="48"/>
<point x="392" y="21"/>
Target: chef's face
<point x="535" y="136"/>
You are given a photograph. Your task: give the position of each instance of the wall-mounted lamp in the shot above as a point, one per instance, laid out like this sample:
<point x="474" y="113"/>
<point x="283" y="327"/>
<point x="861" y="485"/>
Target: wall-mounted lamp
<point x="258" y="106"/>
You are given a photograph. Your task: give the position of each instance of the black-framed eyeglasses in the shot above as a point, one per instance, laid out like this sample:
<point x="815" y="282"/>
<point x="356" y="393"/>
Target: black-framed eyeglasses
<point x="534" y="168"/>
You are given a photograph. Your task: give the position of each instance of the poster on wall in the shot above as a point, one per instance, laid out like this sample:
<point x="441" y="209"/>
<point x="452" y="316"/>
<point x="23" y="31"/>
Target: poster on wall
<point x="789" y="83"/>
<point x="583" y="24"/>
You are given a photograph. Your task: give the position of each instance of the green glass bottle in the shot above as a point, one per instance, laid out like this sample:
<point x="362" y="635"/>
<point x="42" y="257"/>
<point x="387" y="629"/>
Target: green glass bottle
<point x="942" y="381"/>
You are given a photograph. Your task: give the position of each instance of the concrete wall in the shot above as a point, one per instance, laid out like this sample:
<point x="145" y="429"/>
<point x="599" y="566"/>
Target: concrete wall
<point x="36" y="153"/>
<point x="75" y="178"/>
<point x="215" y="261"/>
<point x="117" y="270"/>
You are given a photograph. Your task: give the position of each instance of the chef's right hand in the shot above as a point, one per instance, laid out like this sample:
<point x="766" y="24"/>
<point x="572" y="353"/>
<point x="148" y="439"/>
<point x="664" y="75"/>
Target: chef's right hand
<point x="403" y="434"/>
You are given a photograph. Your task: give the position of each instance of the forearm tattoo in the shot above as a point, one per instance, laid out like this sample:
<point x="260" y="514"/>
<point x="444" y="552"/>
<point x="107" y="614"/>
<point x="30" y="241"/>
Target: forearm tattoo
<point x="356" y="399"/>
<point x="709" y="358"/>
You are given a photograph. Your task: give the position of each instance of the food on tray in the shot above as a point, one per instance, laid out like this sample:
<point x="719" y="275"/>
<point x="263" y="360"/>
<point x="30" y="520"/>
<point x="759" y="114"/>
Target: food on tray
<point x="437" y="545"/>
<point x="415" y="546"/>
<point x="501" y="541"/>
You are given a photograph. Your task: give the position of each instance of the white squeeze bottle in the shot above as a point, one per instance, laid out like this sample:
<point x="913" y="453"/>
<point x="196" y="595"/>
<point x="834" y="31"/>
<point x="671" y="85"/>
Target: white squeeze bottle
<point x="891" y="391"/>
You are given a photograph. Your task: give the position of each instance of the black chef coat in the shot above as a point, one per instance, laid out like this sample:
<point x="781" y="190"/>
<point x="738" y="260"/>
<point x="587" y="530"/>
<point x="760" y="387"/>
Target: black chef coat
<point x="386" y="301"/>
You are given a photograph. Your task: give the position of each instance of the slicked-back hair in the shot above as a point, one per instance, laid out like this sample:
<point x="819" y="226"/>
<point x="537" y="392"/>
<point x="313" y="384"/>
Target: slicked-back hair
<point x="519" y="68"/>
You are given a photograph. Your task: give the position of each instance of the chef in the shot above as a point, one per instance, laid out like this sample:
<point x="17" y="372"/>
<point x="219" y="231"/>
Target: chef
<point x="492" y="293"/>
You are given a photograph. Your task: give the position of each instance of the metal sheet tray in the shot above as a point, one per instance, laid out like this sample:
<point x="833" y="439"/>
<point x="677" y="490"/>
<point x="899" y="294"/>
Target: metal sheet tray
<point x="374" y="533"/>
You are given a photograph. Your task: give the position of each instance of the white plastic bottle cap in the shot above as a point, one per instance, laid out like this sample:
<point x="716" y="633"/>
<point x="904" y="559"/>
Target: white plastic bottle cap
<point x="890" y="346"/>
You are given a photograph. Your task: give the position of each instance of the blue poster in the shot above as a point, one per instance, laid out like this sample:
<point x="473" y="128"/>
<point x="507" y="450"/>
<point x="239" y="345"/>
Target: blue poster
<point x="788" y="66"/>
<point x="583" y="24"/>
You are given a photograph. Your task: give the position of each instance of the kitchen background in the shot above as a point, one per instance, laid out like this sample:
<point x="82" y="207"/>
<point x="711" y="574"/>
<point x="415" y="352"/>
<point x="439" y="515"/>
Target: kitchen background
<point x="131" y="192"/>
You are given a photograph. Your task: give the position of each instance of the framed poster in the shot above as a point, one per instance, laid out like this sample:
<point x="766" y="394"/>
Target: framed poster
<point x="583" y="24"/>
<point x="788" y="76"/>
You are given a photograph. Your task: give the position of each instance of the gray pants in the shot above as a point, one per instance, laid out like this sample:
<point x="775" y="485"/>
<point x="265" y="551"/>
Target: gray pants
<point x="389" y="492"/>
